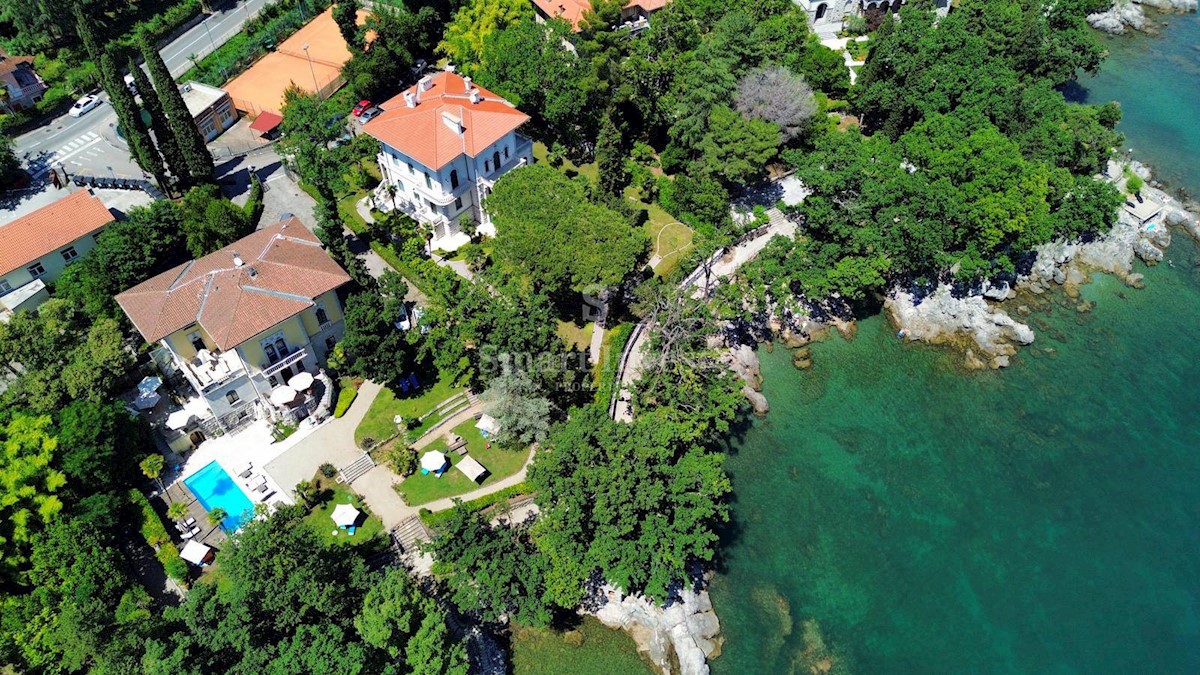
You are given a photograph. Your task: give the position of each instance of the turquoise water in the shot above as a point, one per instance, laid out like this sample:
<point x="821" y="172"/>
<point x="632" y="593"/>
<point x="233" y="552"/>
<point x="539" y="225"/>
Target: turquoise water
<point x="215" y="489"/>
<point x="895" y="514"/>
<point x="1157" y="81"/>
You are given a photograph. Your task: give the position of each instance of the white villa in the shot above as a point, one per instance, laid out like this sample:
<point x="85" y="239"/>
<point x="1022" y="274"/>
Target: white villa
<point x="829" y="15"/>
<point x="445" y="142"/>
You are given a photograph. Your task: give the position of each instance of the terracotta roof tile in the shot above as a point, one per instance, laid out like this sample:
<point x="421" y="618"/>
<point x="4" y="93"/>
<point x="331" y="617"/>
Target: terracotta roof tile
<point x="50" y="228"/>
<point x="283" y="270"/>
<point x="421" y="132"/>
<point x="572" y="11"/>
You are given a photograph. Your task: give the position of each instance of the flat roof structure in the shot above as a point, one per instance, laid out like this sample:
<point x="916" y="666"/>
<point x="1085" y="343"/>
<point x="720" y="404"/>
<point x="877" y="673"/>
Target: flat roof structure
<point x="199" y="97"/>
<point x="1143" y="210"/>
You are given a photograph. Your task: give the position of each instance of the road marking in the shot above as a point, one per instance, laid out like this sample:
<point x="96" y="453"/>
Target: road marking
<point x="61" y="156"/>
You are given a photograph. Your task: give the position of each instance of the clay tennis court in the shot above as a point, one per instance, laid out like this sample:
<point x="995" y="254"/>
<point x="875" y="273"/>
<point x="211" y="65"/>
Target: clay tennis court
<point x="261" y="87"/>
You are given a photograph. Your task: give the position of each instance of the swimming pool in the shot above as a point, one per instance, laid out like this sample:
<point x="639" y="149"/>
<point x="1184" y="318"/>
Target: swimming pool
<point x="215" y="489"/>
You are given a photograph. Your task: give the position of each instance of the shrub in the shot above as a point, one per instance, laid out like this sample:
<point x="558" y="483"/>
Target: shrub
<point x="402" y="459"/>
<point x="434" y="519"/>
<point x="345" y="398"/>
<point x="152" y="528"/>
<point x="856" y="25"/>
<point x="1134" y="184"/>
<point x="175" y="566"/>
<point x="328" y="470"/>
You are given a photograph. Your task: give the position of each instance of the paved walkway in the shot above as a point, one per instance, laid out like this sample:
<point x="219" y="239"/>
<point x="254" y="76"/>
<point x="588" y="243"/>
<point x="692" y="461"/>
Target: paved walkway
<point x="630" y="369"/>
<point x="377" y="486"/>
<point x="333" y="442"/>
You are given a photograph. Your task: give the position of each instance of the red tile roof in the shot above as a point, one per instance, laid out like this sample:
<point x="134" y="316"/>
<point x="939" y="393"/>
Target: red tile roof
<point x="283" y="270"/>
<point x="573" y="10"/>
<point x="423" y="132"/>
<point x="51" y="228"/>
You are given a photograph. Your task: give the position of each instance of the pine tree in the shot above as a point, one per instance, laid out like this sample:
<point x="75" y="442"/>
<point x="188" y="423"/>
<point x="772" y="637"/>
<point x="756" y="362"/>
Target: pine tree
<point x="163" y="133"/>
<point x="187" y="134"/>
<point x="610" y="160"/>
<point x="129" y="119"/>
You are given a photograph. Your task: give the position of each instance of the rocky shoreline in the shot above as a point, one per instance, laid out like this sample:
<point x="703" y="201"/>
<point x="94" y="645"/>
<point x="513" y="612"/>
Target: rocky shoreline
<point x="678" y="638"/>
<point x="980" y="325"/>
<point x="1126" y="15"/>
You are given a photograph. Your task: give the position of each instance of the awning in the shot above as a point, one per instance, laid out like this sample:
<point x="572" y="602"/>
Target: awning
<point x="345" y="515"/>
<point x="266" y="122"/>
<point x="179" y="419"/>
<point x="195" y="552"/>
<point x="146" y="401"/>
<point x="149" y="385"/>
<point x="488" y="425"/>
<point x="470" y="468"/>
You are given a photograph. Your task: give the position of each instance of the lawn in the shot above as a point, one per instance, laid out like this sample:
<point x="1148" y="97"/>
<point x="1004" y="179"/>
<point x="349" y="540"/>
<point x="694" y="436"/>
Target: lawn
<point x="540" y="154"/>
<point x="378" y="422"/>
<point x="574" y="335"/>
<point x="592" y="648"/>
<point x="671" y="239"/>
<point x="418" y="489"/>
<point x="322" y="523"/>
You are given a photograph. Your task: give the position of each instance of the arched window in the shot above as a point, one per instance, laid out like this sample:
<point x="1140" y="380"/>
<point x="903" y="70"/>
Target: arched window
<point x="496" y="159"/>
<point x="821" y="9"/>
<point x="453" y="179"/>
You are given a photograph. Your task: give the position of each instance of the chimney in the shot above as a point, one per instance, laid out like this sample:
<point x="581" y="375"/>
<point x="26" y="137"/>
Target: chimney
<point x="475" y="96"/>
<point x="410" y="99"/>
<point x="253" y="272"/>
<point x="453" y="122"/>
<point x="449" y="67"/>
<point x="237" y="260"/>
<point x="467" y="82"/>
<point x="424" y="84"/>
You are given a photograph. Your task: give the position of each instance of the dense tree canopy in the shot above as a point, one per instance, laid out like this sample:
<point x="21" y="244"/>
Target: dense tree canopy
<point x="549" y="231"/>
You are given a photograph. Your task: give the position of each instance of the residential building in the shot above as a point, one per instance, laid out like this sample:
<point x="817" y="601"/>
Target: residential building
<point x="211" y="108"/>
<point x="828" y="16"/>
<point x="635" y="15"/>
<point x="22" y="87"/>
<point x="245" y="319"/>
<point x="37" y="247"/>
<point x="444" y="144"/>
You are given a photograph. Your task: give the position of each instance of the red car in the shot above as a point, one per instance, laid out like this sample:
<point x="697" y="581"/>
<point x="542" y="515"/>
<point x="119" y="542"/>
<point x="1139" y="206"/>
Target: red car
<point x="358" y="109"/>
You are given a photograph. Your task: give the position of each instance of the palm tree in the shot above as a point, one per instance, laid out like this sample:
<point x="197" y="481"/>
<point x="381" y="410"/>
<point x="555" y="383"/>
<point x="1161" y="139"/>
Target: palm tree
<point x="153" y="466"/>
<point x="177" y="510"/>
<point x="216" y="516"/>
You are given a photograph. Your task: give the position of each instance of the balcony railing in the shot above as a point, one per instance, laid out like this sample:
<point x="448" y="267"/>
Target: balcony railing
<point x="269" y="369"/>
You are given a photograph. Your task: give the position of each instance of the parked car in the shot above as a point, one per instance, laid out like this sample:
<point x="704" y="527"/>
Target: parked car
<point x="409" y="319"/>
<point x="370" y="114"/>
<point x="131" y="84"/>
<point x="358" y="109"/>
<point x="84" y="104"/>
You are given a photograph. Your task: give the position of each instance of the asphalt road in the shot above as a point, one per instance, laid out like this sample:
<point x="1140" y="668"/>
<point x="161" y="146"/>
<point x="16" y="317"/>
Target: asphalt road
<point x="88" y="144"/>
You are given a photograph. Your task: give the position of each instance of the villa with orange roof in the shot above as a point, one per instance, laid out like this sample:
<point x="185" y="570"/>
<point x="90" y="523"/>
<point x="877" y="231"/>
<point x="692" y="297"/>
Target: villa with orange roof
<point x="635" y="15"/>
<point x="37" y="247"/>
<point x="242" y="321"/>
<point x="444" y="144"/>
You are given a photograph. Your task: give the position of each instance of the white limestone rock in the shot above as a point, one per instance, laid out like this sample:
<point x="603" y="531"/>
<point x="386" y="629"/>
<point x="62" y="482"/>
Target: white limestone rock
<point x="757" y="400"/>
<point x="941" y="317"/>
<point x="688" y="630"/>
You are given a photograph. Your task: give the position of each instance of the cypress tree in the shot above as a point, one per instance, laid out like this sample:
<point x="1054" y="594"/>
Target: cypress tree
<point x="129" y="117"/>
<point x="610" y="160"/>
<point x="187" y="135"/>
<point x="163" y="133"/>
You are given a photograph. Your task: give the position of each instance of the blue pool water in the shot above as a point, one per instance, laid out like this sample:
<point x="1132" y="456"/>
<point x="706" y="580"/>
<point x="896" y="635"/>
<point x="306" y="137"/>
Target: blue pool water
<point x="215" y="489"/>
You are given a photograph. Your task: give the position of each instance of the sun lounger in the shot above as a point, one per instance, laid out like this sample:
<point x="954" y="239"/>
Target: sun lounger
<point x="246" y="471"/>
<point x="262" y="487"/>
<point x="189" y="522"/>
<point x="195" y="531"/>
<point x="187" y="535"/>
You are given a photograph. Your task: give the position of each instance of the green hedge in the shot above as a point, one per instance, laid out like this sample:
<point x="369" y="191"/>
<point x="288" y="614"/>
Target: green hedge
<point x="345" y="397"/>
<point x="154" y="531"/>
<point x="609" y="360"/>
<point x="433" y="519"/>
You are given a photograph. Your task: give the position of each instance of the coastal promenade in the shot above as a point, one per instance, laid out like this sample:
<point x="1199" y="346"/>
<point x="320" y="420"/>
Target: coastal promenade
<point x="704" y="278"/>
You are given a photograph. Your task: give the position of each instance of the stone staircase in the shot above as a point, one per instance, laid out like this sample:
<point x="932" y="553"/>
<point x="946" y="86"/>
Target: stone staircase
<point x="355" y="470"/>
<point x="409" y="534"/>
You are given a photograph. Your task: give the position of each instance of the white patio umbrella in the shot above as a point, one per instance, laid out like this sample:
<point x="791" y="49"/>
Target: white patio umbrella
<point x="146" y="401"/>
<point x="179" y="419"/>
<point x="283" y="395"/>
<point x="433" y="461"/>
<point x="149" y="385"/>
<point x="301" y="381"/>
<point x="345" y="515"/>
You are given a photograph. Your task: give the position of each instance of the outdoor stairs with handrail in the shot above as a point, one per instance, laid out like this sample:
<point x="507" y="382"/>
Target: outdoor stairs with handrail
<point x="410" y="533"/>
<point x="356" y="469"/>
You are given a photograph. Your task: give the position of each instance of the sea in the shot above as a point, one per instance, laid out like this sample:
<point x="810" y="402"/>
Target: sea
<point x="897" y="514"/>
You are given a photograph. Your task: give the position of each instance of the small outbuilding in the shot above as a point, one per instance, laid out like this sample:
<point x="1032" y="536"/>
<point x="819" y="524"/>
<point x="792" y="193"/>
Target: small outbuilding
<point x="196" y="553"/>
